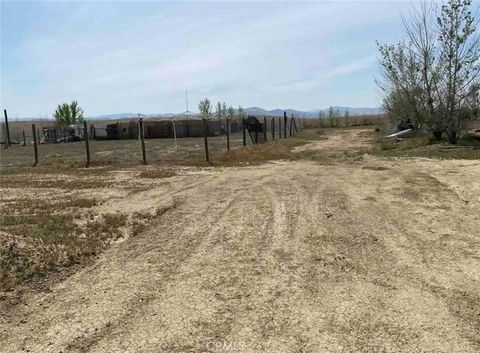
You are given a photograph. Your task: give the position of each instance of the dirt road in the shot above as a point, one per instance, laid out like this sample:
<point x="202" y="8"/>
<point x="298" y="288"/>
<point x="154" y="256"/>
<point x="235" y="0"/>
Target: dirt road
<point x="373" y="256"/>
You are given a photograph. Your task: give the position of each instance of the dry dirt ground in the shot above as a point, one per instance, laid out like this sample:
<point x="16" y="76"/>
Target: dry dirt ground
<point x="371" y="256"/>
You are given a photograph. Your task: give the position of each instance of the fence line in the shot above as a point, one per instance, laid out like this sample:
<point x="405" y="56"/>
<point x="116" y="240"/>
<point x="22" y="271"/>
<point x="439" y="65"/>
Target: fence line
<point x="256" y="128"/>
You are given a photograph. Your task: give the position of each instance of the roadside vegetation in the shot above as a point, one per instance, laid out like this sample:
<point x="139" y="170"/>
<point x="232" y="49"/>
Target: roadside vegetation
<point x="423" y="145"/>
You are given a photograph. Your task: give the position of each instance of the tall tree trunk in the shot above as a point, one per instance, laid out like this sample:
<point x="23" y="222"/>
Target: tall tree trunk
<point x="452" y="137"/>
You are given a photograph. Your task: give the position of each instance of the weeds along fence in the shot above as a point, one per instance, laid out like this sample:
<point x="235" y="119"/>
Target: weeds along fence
<point x="147" y="141"/>
<point x="342" y="121"/>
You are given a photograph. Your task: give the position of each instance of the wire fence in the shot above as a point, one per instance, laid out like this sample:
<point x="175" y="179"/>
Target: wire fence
<point x="166" y="141"/>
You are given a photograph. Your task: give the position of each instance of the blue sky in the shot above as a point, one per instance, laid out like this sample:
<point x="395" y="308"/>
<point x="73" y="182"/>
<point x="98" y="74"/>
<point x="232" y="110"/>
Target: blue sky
<point x="141" y="56"/>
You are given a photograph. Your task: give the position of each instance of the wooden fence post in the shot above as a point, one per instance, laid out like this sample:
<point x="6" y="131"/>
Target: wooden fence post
<point x="264" y="129"/>
<point x="87" y="146"/>
<point x="244" y="135"/>
<point x="7" y="130"/>
<point x="285" y="124"/>
<point x="24" y="139"/>
<point x="273" y="129"/>
<point x="205" y="137"/>
<point x="175" y="134"/>
<point x="279" y="128"/>
<point x="295" y="125"/>
<point x="256" y="130"/>
<point x="228" y="134"/>
<point x="142" y="140"/>
<point x="91" y="132"/>
<point x="35" y="147"/>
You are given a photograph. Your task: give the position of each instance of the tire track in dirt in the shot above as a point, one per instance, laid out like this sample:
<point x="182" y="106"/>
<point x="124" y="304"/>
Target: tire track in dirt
<point x="165" y="310"/>
<point x="291" y="256"/>
<point x="120" y="270"/>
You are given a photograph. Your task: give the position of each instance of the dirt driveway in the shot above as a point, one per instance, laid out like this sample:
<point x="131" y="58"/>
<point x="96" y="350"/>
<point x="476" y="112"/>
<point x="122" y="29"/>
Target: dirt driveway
<point x="373" y="256"/>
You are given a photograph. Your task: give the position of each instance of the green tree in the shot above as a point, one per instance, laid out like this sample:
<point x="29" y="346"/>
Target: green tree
<point x="459" y="55"/>
<point x="432" y="78"/>
<point x="218" y="110"/>
<point x="68" y="114"/>
<point x="402" y="84"/>
<point x="205" y="107"/>
<point x="332" y="117"/>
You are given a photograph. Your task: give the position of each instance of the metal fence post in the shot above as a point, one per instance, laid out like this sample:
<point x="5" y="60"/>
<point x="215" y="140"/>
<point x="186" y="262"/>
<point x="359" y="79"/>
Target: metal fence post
<point x="291" y="125"/>
<point x="205" y="137"/>
<point x="7" y="129"/>
<point x="35" y="147"/>
<point x="273" y="129"/>
<point x="228" y="134"/>
<point x="265" y="129"/>
<point x="244" y="135"/>
<point x="142" y="140"/>
<point x="87" y="146"/>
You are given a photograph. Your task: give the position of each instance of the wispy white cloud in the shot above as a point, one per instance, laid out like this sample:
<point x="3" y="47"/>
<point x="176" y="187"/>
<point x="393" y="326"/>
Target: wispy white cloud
<point x="141" y="57"/>
<point x="352" y="67"/>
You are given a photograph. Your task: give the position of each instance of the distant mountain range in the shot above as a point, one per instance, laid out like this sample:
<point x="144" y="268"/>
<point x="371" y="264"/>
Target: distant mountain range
<point x="314" y="113"/>
<point x="339" y="110"/>
<point x="252" y="110"/>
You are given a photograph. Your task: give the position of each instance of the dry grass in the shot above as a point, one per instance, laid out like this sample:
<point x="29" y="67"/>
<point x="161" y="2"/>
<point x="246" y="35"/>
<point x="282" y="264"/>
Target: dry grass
<point x="49" y="220"/>
<point x="31" y="205"/>
<point x="278" y="149"/>
<point x="157" y="173"/>
<point x="423" y="146"/>
<point x="54" y="183"/>
<point x="254" y="155"/>
<point x="34" y="244"/>
<point x="341" y="121"/>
